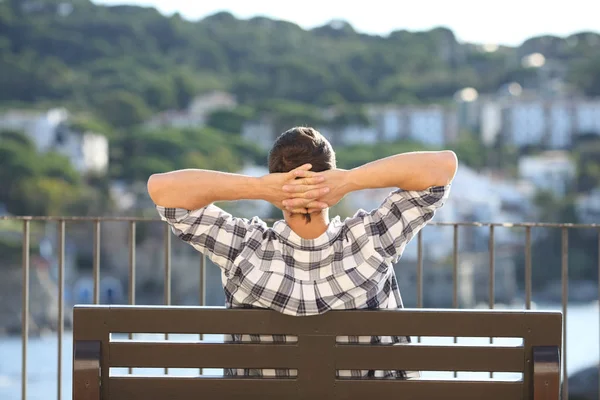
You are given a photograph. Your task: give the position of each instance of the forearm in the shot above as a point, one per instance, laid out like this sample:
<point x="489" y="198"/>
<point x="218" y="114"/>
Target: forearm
<point x="408" y="171"/>
<point x="194" y="188"/>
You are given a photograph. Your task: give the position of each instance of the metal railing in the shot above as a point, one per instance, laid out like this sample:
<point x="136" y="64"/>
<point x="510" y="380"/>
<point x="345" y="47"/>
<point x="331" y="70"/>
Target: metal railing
<point x="97" y="222"/>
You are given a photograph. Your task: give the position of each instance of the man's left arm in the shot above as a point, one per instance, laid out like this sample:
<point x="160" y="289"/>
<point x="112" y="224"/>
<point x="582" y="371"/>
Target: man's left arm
<point x="192" y="189"/>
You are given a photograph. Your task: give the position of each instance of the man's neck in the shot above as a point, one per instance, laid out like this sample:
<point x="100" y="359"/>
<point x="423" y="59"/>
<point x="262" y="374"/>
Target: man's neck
<point x="319" y="222"/>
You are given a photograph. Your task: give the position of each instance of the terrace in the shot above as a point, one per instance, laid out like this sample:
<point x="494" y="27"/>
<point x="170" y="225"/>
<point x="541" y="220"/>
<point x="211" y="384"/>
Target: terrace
<point x="130" y="225"/>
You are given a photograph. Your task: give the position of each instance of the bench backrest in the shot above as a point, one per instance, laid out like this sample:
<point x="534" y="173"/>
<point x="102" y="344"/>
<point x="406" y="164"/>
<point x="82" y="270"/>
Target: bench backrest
<point x="315" y="355"/>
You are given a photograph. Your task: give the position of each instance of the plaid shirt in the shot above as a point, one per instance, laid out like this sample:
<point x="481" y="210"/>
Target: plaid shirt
<point x="350" y="266"/>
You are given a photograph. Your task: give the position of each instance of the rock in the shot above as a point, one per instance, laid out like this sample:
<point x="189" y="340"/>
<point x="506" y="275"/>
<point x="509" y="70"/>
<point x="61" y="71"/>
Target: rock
<point x="584" y="385"/>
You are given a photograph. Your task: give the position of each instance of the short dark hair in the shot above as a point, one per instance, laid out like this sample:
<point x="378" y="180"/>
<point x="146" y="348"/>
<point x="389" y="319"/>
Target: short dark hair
<point x="299" y="146"/>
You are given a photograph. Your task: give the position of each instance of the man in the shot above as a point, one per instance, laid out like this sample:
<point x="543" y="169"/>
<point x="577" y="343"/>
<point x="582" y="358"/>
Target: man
<point x="307" y="264"/>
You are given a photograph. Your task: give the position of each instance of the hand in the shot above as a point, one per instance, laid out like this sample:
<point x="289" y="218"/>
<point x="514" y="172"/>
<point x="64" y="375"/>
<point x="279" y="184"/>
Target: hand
<point x="337" y="181"/>
<point x="310" y="184"/>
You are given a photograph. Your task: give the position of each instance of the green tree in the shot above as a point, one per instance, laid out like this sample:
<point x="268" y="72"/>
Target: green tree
<point x="470" y="150"/>
<point x="123" y="109"/>
<point x="230" y="121"/>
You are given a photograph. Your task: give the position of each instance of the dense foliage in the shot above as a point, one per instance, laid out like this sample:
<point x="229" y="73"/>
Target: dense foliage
<point x="126" y="61"/>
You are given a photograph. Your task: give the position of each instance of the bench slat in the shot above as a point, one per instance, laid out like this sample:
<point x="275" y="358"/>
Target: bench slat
<point x="202" y="355"/>
<point x="431" y="358"/>
<point x="462" y="323"/>
<point x="129" y="388"/>
<point x="429" y="390"/>
<point x="408" y="357"/>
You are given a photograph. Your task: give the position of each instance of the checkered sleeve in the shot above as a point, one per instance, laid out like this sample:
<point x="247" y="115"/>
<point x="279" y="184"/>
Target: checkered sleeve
<point x="210" y="230"/>
<point x="401" y="216"/>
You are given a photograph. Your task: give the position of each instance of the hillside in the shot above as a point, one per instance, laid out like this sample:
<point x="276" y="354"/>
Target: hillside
<point x="84" y="56"/>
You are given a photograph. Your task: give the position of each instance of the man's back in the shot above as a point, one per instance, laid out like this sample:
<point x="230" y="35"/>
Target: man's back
<point x="349" y="266"/>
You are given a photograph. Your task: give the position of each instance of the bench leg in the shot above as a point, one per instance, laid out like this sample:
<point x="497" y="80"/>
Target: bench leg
<point x="546" y="373"/>
<point x="86" y="369"/>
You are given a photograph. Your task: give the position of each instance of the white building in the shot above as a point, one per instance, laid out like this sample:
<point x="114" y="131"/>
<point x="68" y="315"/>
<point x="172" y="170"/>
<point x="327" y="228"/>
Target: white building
<point x="587" y="115"/>
<point x="261" y="132"/>
<point x="559" y="124"/>
<point x="588" y="207"/>
<point x="550" y="123"/>
<point x="87" y="151"/>
<point x="524" y="122"/>
<point x="175" y="119"/>
<point x="473" y="197"/>
<point x="197" y="112"/>
<point x="39" y="126"/>
<point x="431" y="125"/>
<point x="350" y="135"/>
<point x="552" y="171"/>
<point x="213" y="101"/>
<point x="490" y="121"/>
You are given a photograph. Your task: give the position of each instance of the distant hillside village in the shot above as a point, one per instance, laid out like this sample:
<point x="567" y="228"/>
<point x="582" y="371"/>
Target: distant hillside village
<point x="513" y="116"/>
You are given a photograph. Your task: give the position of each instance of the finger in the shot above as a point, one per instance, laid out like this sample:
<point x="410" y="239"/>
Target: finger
<point x="306" y="191"/>
<point x="300" y="170"/>
<point x="291" y="204"/>
<point x="301" y="173"/>
<point x="314" y="180"/>
<point x="299" y="211"/>
<point x="314" y="193"/>
<point x="317" y="205"/>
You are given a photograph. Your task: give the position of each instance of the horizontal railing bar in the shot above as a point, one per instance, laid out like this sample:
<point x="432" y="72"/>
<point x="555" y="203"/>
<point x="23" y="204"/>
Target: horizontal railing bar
<point x="431" y="358"/>
<point x="207" y="355"/>
<point x="270" y="220"/>
<point x="76" y="218"/>
<point x="193" y="320"/>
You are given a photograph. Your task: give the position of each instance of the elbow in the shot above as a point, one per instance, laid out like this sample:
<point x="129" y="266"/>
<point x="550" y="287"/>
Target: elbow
<point x="153" y="187"/>
<point x="448" y="164"/>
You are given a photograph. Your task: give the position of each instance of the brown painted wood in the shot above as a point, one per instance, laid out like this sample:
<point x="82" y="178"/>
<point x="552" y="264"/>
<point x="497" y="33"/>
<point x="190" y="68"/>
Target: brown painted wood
<point x="316" y="355"/>
<point x="415" y="357"/>
<point x="546" y="373"/>
<point x="202" y="355"/>
<point x="428" y="390"/>
<point x="537" y="336"/>
<point x="460" y="323"/>
<point x="126" y="388"/>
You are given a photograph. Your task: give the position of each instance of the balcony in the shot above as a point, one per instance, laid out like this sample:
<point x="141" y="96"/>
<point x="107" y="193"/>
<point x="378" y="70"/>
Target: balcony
<point x="127" y="267"/>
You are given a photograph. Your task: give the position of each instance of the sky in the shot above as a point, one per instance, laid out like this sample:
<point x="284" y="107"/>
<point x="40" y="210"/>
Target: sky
<point x="508" y="22"/>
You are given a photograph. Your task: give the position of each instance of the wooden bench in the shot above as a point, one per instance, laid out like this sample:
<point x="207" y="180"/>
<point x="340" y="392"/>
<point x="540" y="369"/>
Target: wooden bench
<point x="316" y="355"/>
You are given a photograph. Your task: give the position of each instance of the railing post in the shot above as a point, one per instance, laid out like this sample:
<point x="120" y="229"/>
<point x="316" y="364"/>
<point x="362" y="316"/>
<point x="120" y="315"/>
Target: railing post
<point x="132" y="232"/>
<point x="167" y="274"/>
<point x="61" y="296"/>
<point x="25" y="308"/>
<point x="565" y="300"/>
<point x="455" y="276"/>
<point x="202" y="292"/>
<point x="491" y="288"/>
<point x="96" y="271"/>
<point x="419" y="273"/>
<point x="528" y="267"/>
